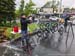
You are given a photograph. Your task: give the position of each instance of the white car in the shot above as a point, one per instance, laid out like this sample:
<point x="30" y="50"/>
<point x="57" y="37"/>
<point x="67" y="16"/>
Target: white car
<point x="54" y="18"/>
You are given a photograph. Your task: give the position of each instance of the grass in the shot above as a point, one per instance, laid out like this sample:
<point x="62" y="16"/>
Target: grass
<point x="32" y="27"/>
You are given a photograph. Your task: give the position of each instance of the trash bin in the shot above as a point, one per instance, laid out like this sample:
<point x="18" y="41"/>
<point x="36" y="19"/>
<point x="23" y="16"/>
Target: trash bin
<point x="15" y="29"/>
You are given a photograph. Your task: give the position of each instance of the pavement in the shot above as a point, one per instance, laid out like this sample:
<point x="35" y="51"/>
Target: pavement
<point x="44" y="48"/>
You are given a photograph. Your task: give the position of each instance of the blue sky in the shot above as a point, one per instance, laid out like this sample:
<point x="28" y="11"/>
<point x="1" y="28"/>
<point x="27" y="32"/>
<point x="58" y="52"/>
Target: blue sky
<point x="39" y="3"/>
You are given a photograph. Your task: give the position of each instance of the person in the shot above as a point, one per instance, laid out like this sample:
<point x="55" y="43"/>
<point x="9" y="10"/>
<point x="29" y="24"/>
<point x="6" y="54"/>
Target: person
<point x="66" y="18"/>
<point x="30" y="18"/>
<point x="24" y="30"/>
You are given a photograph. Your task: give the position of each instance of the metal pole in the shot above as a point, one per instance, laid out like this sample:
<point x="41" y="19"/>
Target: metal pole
<point x="60" y="7"/>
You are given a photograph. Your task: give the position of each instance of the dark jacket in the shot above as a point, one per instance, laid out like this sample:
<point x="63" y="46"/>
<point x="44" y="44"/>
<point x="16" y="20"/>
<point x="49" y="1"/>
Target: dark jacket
<point x="66" y="20"/>
<point x="24" y="23"/>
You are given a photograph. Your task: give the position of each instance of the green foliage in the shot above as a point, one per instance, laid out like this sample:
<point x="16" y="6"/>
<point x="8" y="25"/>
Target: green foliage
<point x="34" y="11"/>
<point x="21" y="7"/>
<point x="32" y="27"/>
<point x="17" y="13"/>
<point x="29" y="8"/>
<point x="7" y="8"/>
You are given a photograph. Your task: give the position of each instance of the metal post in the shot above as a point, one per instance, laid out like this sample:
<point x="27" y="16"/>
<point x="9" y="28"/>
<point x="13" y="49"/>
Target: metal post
<point x="60" y="7"/>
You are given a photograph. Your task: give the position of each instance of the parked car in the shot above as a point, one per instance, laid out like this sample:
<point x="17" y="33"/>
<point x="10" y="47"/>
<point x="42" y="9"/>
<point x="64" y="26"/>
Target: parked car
<point x="54" y="18"/>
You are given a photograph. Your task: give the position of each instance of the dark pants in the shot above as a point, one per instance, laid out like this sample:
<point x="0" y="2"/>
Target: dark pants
<point x="66" y="23"/>
<point x="24" y="38"/>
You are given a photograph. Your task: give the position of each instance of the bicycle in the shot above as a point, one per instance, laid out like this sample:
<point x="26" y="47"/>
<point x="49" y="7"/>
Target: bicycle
<point x="55" y="26"/>
<point x="48" y="29"/>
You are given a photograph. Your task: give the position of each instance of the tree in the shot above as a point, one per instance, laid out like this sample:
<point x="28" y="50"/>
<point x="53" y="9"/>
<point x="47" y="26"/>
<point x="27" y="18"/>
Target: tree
<point x="21" y="7"/>
<point x="26" y="9"/>
<point x="17" y="14"/>
<point x="7" y="8"/>
<point x="29" y="8"/>
<point x="35" y="11"/>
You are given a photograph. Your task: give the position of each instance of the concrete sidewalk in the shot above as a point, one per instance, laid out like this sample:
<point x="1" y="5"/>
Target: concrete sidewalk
<point x="44" y="49"/>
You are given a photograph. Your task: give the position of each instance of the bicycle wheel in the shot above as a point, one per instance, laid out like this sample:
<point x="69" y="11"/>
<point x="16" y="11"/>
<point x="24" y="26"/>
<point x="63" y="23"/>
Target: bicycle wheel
<point x="52" y="39"/>
<point x="61" y="30"/>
